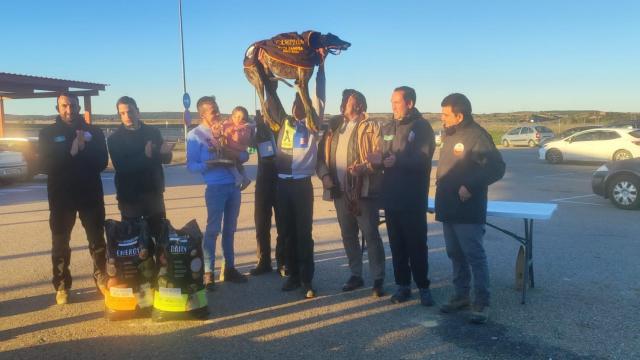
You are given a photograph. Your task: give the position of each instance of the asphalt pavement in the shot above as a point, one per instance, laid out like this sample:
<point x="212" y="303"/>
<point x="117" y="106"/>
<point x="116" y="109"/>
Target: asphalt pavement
<point x="585" y="303"/>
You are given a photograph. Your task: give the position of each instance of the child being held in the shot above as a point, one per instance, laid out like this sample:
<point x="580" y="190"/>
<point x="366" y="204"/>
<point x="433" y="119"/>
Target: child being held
<point x="235" y="135"/>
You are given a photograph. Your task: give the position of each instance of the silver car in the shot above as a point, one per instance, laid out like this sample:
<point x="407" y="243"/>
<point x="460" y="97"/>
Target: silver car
<point x="531" y="135"/>
<point x="12" y="166"/>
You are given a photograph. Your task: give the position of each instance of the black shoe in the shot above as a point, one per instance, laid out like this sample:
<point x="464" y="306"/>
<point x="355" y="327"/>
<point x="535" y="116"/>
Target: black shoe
<point x="425" y="297"/>
<point x="234" y="276"/>
<point x="309" y="292"/>
<point x="292" y="283"/>
<point x="401" y="295"/>
<point x="353" y="283"/>
<point x="261" y="268"/>
<point x="378" y="288"/>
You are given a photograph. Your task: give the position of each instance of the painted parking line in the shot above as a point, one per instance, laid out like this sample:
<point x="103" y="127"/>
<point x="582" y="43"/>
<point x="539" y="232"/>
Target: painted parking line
<point x="579" y="202"/>
<point x="9" y="191"/>
<point x="574" y="197"/>
<point x="555" y="175"/>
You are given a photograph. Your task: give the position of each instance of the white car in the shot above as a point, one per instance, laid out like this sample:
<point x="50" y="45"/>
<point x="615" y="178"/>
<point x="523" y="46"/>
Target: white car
<point x="12" y="166"/>
<point x="603" y="144"/>
<point x="438" y="136"/>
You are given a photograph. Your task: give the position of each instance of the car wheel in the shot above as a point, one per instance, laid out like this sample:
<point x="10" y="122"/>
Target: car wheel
<point x="623" y="192"/>
<point x="553" y="156"/>
<point x="505" y="143"/>
<point x="622" y="155"/>
<point x="532" y="143"/>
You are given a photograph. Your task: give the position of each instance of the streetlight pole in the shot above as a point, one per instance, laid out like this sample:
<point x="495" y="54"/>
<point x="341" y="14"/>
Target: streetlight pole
<point x="185" y="115"/>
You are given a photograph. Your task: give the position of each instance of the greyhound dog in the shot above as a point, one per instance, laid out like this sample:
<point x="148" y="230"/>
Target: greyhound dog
<point x="288" y="56"/>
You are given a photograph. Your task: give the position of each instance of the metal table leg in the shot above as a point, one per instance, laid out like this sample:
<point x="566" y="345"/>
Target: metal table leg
<point x="528" y="268"/>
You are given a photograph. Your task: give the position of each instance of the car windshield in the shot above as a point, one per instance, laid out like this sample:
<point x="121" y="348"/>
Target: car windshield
<point x="635" y="133"/>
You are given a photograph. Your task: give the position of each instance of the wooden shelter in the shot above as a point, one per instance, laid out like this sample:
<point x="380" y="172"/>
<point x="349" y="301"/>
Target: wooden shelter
<point x="14" y="86"/>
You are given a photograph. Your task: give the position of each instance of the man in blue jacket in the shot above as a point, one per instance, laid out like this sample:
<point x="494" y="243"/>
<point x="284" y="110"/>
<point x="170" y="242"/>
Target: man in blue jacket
<point x="222" y="196"/>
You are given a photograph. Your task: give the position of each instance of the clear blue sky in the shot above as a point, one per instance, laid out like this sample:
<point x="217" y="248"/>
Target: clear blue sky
<point x="505" y="55"/>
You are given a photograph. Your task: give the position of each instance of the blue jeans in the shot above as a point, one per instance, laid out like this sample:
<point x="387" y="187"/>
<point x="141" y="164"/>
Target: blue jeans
<point x="223" y="208"/>
<point x="464" y="248"/>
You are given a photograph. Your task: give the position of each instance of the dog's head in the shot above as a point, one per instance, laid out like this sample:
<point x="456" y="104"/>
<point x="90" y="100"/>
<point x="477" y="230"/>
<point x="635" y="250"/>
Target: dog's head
<point x="329" y="42"/>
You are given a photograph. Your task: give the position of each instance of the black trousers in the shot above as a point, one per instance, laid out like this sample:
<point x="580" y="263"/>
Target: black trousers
<point x="61" y="222"/>
<point x="264" y="208"/>
<point x="408" y="241"/>
<point x="151" y="207"/>
<point x="295" y="219"/>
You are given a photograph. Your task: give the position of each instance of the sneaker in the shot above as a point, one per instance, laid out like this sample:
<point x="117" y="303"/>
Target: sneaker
<point x="208" y="281"/>
<point x="425" y="297"/>
<point x="479" y="314"/>
<point x="62" y="297"/>
<point x="283" y="271"/>
<point x="353" y="283"/>
<point x="309" y="292"/>
<point x="401" y="295"/>
<point x="378" y="288"/>
<point x="456" y="303"/>
<point x="292" y="283"/>
<point x="261" y="268"/>
<point x="245" y="183"/>
<point x="234" y="276"/>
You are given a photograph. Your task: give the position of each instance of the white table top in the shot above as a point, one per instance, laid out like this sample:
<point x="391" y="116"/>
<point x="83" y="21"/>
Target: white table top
<point x="513" y="209"/>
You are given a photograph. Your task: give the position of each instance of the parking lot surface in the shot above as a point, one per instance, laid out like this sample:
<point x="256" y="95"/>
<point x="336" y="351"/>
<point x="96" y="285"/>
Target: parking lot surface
<point x="585" y="303"/>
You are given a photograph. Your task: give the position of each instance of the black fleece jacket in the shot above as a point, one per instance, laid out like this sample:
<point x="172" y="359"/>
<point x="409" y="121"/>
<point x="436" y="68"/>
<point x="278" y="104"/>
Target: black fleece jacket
<point x="73" y="182"/>
<point x="468" y="157"/>
<point x="136" y="174"/>
<point x="405" y="185"/>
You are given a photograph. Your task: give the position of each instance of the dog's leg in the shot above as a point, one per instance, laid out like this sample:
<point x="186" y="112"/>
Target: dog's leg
<point x="274" y="100"/>
<point x="303" y="89"/>
<point x="253" y="75"/>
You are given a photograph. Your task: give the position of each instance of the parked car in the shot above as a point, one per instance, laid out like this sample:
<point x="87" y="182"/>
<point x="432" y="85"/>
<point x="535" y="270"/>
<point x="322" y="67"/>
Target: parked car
<point x="601" y="144"/>
<point x="531" y="136"/>
<point x="12" y="166"/>
<point x="28" y="146"/>
<point x="438" y="134"/>
<point x="626" y="124"/>
<point x="619" y="181"/>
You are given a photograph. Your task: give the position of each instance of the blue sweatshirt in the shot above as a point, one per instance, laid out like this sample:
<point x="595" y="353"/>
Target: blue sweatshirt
<point x="199" y="140"/>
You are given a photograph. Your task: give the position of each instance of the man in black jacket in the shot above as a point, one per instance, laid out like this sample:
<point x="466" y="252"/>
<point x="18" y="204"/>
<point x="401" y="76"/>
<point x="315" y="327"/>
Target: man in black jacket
<point x="137" y="153"/>
<point x="408" y="146"/>
<point x="469" y="162"/>
<point x="73" y="154"/>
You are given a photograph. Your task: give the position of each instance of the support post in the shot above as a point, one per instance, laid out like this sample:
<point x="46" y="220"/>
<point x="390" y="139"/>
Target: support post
<point x="87" y="109"/>
<point x="1" y="116"/>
